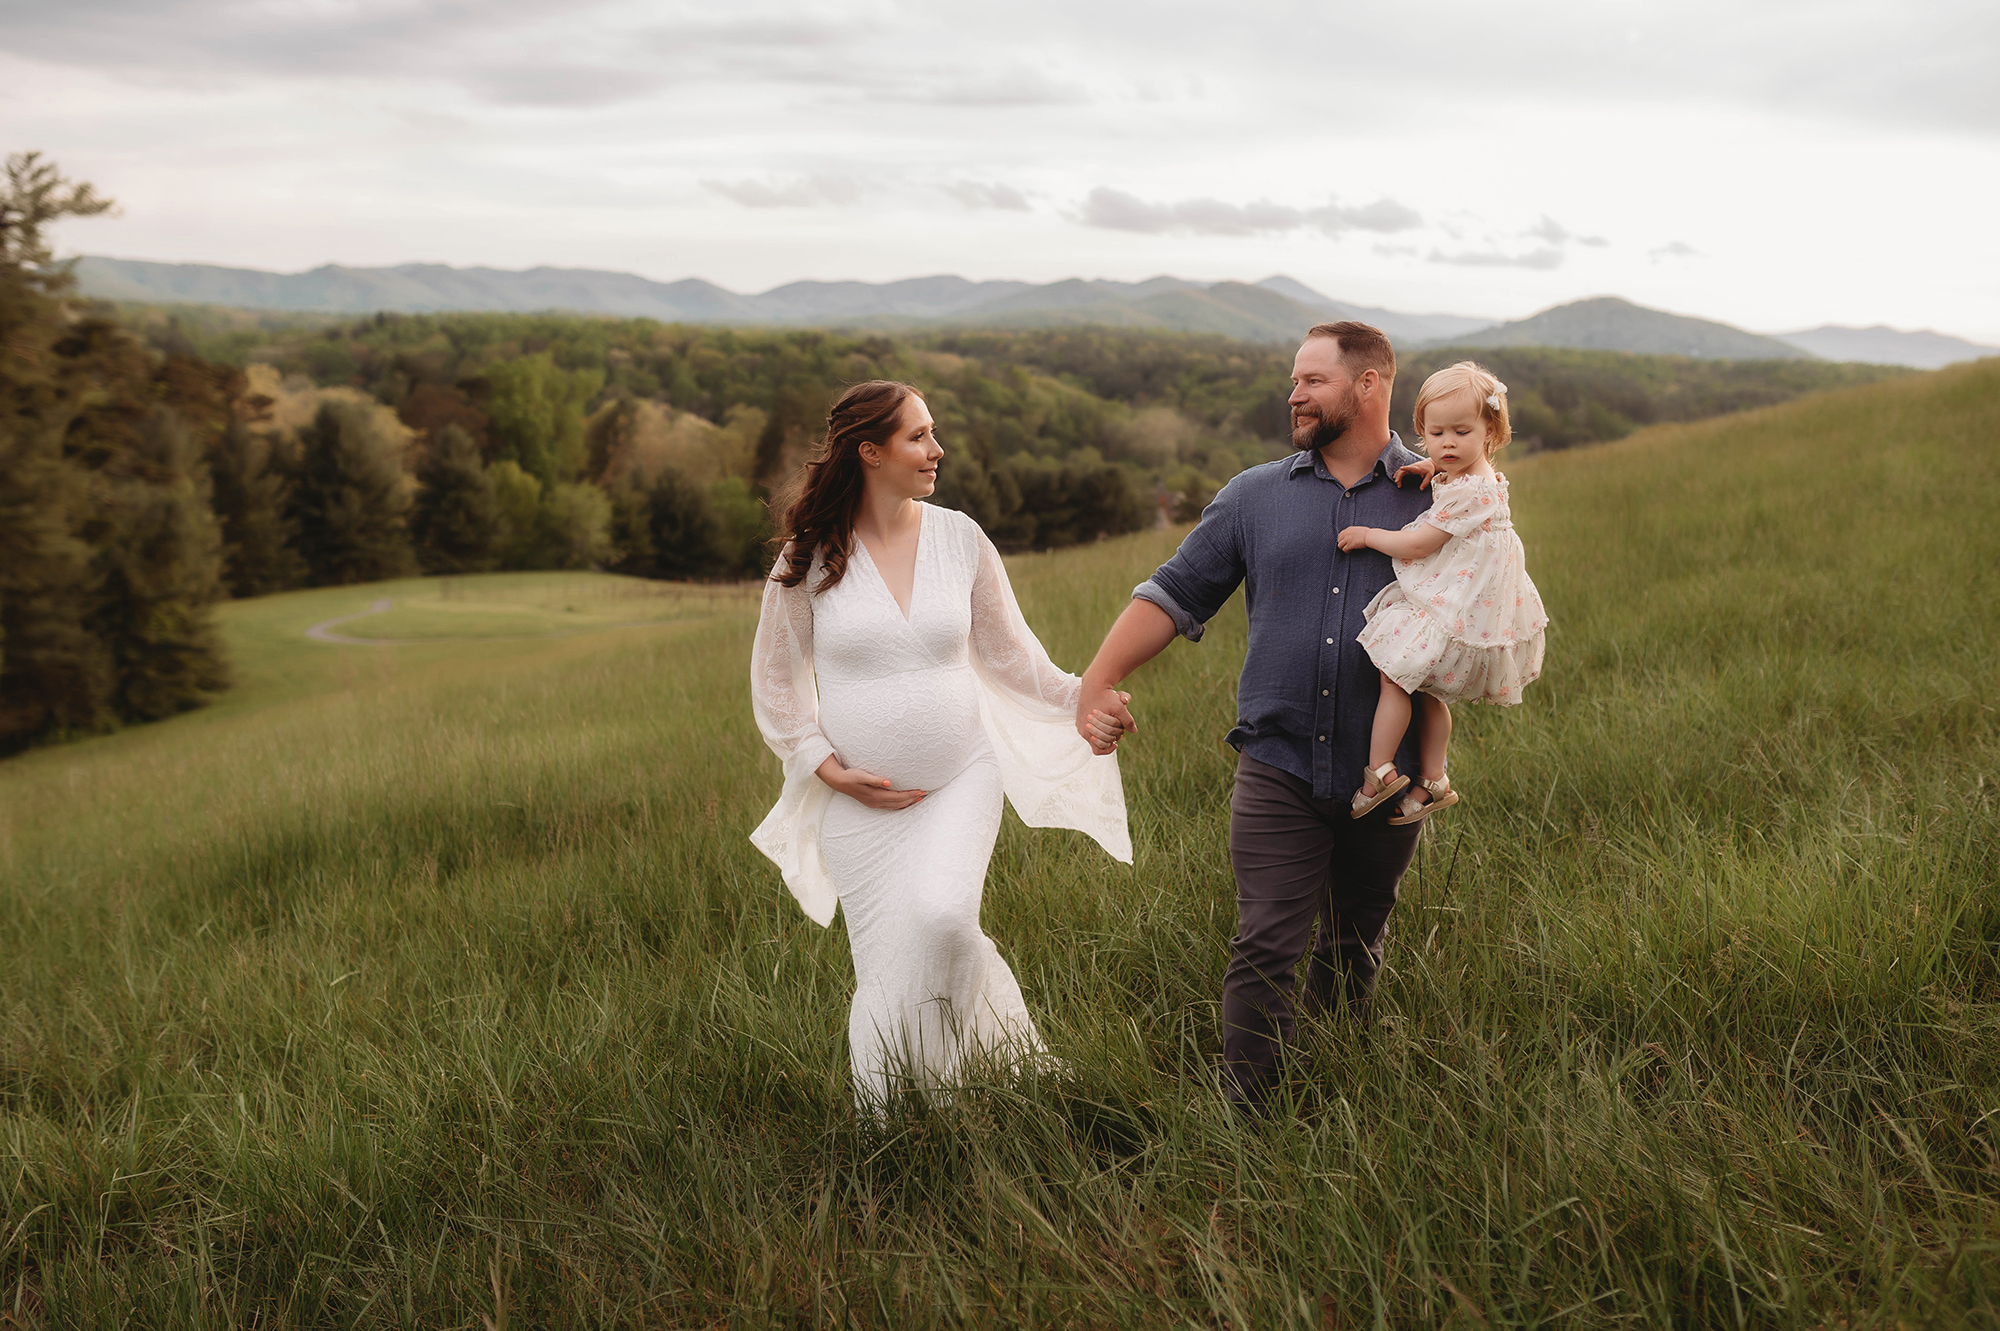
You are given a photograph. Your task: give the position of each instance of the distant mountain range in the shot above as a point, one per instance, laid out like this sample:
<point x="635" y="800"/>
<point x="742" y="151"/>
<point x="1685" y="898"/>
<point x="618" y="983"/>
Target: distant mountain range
<point x="1606" y="323"/>
<point x="1276" y="309"/>
<point x="1888" y="346"/>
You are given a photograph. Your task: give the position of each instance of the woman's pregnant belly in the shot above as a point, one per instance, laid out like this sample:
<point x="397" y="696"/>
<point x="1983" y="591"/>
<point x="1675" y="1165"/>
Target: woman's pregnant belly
<point x="919" y="729"/>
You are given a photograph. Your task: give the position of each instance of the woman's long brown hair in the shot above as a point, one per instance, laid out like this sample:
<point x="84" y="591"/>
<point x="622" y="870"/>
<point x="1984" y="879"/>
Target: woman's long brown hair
<point x="820" y="503"/>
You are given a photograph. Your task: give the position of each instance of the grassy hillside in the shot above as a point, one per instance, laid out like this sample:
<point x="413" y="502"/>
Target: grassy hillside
<point x="424" y="984"/>
<point x="1564" y="397"/>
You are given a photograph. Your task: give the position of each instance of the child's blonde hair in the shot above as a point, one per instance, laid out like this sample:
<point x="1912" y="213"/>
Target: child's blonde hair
<point x="1488" y="393"/>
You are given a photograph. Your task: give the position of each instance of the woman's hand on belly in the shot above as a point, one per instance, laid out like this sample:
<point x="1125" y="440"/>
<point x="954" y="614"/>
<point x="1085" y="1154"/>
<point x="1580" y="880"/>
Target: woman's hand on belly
<point x="865" y="787"/>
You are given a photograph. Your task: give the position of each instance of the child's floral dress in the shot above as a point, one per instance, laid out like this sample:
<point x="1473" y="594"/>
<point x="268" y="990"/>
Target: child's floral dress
<point x="1464" y="624"/>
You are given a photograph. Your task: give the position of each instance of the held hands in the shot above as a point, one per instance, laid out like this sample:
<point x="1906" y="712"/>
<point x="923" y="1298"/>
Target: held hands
<point x="1103" y="718"/>
<point x="1356" y="538"/>
<point x="1423" y="469"/>
<point x="865" y="787"/>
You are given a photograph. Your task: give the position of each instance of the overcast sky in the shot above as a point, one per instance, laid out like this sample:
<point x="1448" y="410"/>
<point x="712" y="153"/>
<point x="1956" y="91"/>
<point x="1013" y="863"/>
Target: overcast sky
<point x="1775" y="164"/>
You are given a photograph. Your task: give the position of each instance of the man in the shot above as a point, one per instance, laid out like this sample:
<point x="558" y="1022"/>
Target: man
<point x="1306" y="698"/>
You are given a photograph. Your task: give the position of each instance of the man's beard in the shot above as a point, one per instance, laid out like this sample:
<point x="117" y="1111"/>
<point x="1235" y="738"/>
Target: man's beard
<point x="1316" y="432"/>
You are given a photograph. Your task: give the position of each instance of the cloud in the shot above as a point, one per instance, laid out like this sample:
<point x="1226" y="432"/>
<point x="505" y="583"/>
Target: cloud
<point x="1541" y="260"/>
<point x="1116" y="210"/>
<point x="1021" y="88"/>
<point x="1555" y="233"/>
<point x="809" y="192"/>
<point x="1385" y="215"/>
<point x="563" y="85"/>
<point x="975" y="194"/>
<point x="1674" y="249"/>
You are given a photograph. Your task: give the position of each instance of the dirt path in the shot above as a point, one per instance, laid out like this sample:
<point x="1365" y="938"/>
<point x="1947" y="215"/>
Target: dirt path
<point x="324" y="630"/>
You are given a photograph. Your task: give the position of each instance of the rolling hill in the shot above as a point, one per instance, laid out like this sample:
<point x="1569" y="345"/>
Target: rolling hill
<point x="417" y="979"/>
<point x="1608" y="323"/>
<point x="1920" y="349"/>
<point x="1277" y="309"/>
<point x="1274" y="310"/>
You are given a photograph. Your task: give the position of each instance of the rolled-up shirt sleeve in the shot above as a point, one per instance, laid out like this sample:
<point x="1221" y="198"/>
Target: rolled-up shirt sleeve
<point x="1204" y="572"/>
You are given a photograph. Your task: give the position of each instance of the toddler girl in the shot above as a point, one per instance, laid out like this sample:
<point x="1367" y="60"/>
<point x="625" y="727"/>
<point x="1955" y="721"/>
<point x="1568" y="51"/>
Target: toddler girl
<point x="1462" y="621"/>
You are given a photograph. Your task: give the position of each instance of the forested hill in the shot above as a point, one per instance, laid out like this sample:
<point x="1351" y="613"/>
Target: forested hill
<point x="1144" y="397"/>
<point x="1274" y="310"/>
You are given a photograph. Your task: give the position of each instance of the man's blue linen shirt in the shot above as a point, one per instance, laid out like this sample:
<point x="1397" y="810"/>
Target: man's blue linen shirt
<point x="1306" y="699"/>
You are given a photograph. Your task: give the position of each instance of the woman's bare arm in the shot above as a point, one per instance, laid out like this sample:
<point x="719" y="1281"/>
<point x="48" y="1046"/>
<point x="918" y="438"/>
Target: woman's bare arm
<point x="865" y="786"/>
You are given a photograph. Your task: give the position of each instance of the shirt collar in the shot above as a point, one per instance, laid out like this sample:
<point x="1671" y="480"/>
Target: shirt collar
<point x="1393" y="458"/>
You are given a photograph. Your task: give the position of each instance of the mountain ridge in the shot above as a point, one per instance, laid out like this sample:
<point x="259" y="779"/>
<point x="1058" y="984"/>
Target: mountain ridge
<point x="1612" y="323"/>
<point x="1275" y="309"/>
<point x="1919" y="348"/>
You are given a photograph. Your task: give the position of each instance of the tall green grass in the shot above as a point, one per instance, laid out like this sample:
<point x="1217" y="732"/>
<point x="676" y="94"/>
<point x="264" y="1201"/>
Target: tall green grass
<point x="431" y="984"/>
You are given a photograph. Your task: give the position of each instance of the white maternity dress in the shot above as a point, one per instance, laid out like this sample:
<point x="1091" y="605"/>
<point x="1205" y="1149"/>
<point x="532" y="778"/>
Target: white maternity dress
<point x="1464" y="623"/>
<point x="957" y="699"/>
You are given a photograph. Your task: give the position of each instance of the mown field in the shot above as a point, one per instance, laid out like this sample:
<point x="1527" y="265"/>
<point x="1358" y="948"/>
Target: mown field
<point x="437" y="985"/>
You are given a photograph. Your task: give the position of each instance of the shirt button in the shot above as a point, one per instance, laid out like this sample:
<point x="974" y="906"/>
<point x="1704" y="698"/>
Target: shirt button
<point x="1329" y="642"/>
<point x="1322" y="739"/>
<point x="1322" y="693"/>
<point x="1336" y="591"/>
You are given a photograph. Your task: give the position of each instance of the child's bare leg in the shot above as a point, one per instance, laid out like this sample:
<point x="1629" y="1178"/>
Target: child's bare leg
<point x="1433" y="738"/>
<point x="1392" y="719"/>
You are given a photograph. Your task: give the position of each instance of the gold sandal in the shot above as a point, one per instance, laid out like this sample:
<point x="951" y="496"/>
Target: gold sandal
<point x="1388" y="782"/>
<point x="1442" y="796"/>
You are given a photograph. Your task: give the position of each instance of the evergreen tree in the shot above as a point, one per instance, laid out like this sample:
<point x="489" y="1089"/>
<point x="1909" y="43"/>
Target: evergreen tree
<point x="161" y="558"/>
<point x="153" y="533"/>
<point x="350" y="500"/>
<point x="252" y="497"/>
<point x="456" y="520"/>
<point x="55" y="674"/>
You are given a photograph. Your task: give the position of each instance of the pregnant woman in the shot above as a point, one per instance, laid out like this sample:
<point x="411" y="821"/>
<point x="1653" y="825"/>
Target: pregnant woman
<point x="894" y="676"/>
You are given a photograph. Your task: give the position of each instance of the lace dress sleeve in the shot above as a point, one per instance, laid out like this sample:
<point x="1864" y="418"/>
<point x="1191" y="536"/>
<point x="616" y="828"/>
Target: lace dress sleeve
<point x="1005" y="650"/>
<point x="1029" y="707"/>
<point x="783" y="694"/>
<point x="785" y="700"/>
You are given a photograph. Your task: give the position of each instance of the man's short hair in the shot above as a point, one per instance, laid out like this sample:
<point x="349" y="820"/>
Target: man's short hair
<point x="1362" y="347"/>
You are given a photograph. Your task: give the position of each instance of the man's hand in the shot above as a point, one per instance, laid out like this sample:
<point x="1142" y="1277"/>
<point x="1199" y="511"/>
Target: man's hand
<point x="865" y="787"/>
<point x="1354" y="538"/>
<point x="1103" y="718"/>
<point x="1423" y="469"/>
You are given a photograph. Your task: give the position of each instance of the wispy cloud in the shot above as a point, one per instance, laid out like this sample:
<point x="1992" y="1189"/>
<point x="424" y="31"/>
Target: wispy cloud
<point x="978" y="194"/>
<point x="1118" y="211"/>
<point x="563" y="85"/>
<point x="1542" y="260"/>
<point x="1674" y="249"/>
<point x="1022" y="87"/>
<point x="1555" y="233"/>
<point x="809" y="192"/>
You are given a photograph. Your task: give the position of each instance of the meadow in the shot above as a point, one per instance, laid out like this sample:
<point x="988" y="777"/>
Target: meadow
<point x="436" y="984"/>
